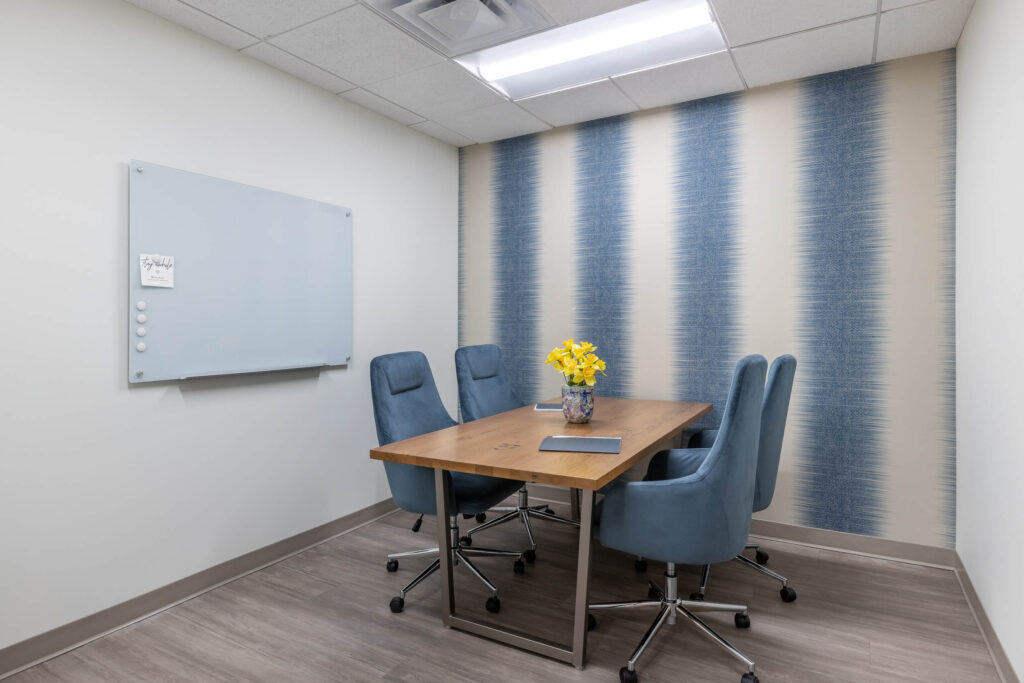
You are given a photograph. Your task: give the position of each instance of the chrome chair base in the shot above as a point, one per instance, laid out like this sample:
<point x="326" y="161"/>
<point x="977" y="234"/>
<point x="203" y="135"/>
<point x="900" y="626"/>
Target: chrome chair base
<point x="523" y="511"/>
<point x="786" y="592"/>
<point x="672" y="606"/>
<point x="460" y="558"/>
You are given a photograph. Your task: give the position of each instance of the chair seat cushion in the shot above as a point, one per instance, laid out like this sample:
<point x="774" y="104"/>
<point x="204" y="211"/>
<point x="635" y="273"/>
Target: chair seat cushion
<point x="675" y="463"/>
<point x="475" y="493"/>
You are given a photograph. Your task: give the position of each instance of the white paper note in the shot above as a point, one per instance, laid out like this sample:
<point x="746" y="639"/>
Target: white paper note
<point x="157" y="270"/>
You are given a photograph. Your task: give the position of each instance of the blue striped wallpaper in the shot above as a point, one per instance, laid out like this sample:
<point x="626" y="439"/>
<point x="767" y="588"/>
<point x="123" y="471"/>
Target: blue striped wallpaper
<point x="462" y="250"/>
<point x="948" y="340"/>
<point x="515" y="257"/>
<point x="706" y="250"/>
<point x="800" y="218"/>
<point x="602" y="240"/>
<point x="841" y="244"/>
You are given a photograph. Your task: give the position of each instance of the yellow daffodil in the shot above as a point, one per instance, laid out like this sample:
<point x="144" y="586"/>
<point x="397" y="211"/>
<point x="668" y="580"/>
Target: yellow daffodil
<point x="576" y="362"/>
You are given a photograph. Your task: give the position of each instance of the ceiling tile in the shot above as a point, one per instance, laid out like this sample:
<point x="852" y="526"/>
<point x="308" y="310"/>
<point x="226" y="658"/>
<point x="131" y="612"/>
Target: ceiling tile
<point x="441" y="133"/>
<point x="747" y="21"/>
<point x="496" y="122"/>
<point x="569" y="11"/>
<point x="201" y="23"/>
<point x="265" y="18"/>
<point x="915" y="30"/>
<point x="290" y="64"/>
<point x="357" y="45"/>
<point x="583" y="103"/>
<point x="381" y="106"/>
<point x="692" y="79"/>
<point x="832" y="48"/>
<point x="436" y="90"/>
<point x="893" y="4"/>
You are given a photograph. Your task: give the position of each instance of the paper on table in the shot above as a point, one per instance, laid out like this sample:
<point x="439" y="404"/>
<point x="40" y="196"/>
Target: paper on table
<point x="157" y="270"/>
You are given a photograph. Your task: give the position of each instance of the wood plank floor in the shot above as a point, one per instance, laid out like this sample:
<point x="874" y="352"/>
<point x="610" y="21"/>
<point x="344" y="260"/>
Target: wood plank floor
<point x="323" y="615"/>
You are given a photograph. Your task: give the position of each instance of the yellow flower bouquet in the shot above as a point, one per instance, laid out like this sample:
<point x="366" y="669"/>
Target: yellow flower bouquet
<point x="579" y="365"/>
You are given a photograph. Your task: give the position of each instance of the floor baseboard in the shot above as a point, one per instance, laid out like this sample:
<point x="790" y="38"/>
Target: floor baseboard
<point x="1002" y="662"/>
<point x="855" y="543"/>
<point x="36" y="649"/>
<point x="39" y="648"/>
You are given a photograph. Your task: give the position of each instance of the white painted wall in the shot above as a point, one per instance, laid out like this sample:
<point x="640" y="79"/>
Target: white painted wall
<point x="990" y="314"/>
<point x="107" y="491"/>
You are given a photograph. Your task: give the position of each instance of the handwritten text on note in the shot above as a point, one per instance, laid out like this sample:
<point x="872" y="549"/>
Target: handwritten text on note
<point x="157" y="270"/>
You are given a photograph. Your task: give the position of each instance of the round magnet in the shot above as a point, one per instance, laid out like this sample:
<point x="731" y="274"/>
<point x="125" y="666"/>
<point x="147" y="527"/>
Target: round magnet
<point x="141" y="305"/>
<point x="141" y="331"/>
<point x="140" y="347"/>
<point x="141" y="317"/>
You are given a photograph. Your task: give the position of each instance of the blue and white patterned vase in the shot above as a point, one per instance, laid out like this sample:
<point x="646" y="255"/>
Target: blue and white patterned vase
<point x="577" y="403"/>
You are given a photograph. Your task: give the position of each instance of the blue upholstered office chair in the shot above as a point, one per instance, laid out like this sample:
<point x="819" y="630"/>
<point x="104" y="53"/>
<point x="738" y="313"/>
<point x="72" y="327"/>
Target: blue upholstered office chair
<point x="701" y="518"/>
<point x="485" y="389"/>
<point x="406" y="404"/>
<point x="774" y="410"/>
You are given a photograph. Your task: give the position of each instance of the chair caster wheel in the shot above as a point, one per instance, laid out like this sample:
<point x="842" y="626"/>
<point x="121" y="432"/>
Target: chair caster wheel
<point x="653" y="594"/>
<point x="481" y="517"/>
<point x="697" y="597"/>
<point x="742" y="620"/>
<point x="640" y="565"/>
<point x="493" y="604"/>
<point x="548" y="511"/>
<point x="530" y="555"/>
<point x="591" y="622"/>
<point x="627" y="676"/>
<point x="787" y="594"/>
<point x="466" y="540"/>
<point x="761" y="557"/>
<point x="392" y="565"/>
<point x="749" y="678"/>
<point x="519" y="567"/>
<point x="397" y="603"/>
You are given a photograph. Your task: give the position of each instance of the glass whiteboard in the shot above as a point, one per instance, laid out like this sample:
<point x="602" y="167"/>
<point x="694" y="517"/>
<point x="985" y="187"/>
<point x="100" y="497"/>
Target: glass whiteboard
<point x="261" y="280"/>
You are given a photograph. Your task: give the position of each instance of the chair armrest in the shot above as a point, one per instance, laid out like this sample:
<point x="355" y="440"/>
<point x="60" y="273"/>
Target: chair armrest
<point x="673" y="520"/>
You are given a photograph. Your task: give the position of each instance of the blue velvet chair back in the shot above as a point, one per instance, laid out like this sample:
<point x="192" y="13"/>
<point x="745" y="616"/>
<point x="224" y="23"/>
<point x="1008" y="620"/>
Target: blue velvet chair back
<point x="485" y="387"/>
<point x="774" y="410"/>
<point x="704" y="517"/>
<point x="406" y="404"/>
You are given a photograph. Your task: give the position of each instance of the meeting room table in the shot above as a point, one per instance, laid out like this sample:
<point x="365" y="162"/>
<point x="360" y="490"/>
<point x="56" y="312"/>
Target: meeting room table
<point x="507" y="445"/>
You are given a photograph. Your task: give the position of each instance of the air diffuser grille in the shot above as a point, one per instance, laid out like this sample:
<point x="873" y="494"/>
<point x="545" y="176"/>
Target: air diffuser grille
<point x="459" y="26"/>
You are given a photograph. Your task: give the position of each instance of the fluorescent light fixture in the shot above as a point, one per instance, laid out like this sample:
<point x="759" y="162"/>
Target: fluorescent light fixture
<point x="637" y="37"/>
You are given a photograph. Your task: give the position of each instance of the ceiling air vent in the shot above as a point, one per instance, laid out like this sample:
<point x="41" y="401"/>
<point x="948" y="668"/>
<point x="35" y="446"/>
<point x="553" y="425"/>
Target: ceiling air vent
<point x="458" y="26"/>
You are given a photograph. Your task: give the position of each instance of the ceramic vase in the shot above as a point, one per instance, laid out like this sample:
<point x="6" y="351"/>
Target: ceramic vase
<point x="577" y="403"/>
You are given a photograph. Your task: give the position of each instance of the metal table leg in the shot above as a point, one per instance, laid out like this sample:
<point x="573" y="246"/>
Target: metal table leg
<point x="442" y="487"/>
<point x="576" y="653"/>
<point x="579" y="631"/>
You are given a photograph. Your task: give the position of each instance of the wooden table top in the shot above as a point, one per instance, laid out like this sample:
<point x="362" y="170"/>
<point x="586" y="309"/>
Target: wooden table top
<point x="506" y="445"/>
